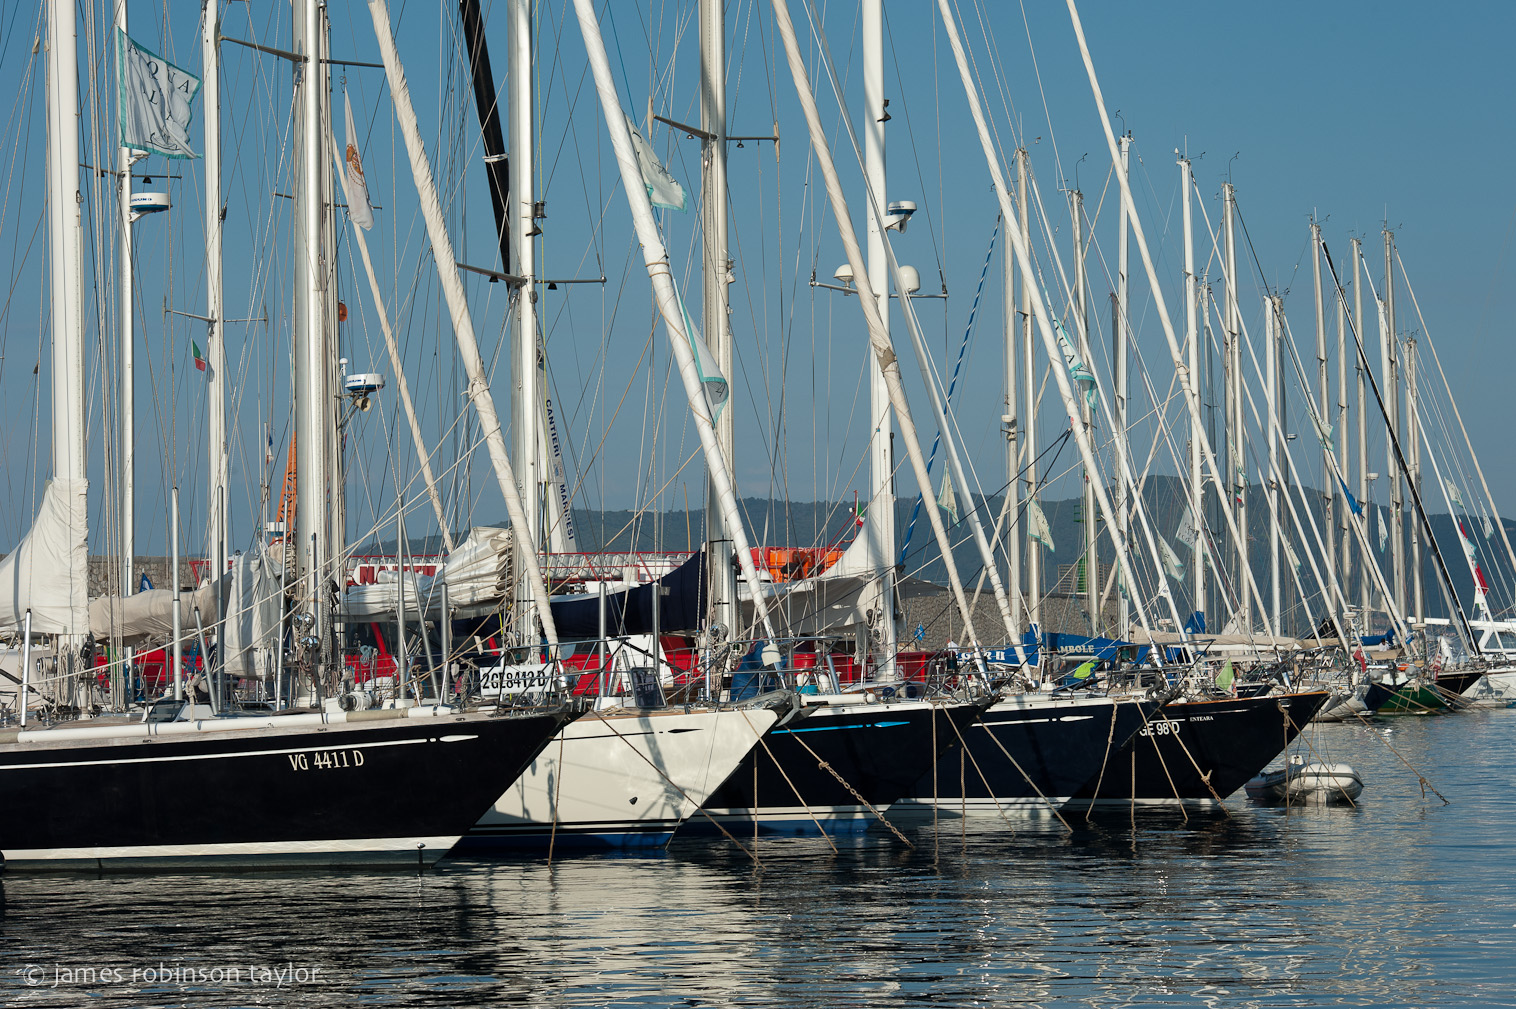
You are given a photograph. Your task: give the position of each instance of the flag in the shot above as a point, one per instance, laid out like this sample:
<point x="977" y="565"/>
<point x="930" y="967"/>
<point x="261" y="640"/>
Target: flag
<point x="146" y="584"/>
<point x="1353" y="505"/>
<point x="1037" y="523"/>
<point x="1289" y="553"/>
<point x="858" y="511"/>
<point x="199" y="357"/>
<point x="1171" y="562"/>
<point x="154" y="101"/>
<point x="712" y="382"/>
<point x="1384" y="534"/>
<point x="1077" y="370"/>
<point x="359" y="208"/>
<point x="1226" y="677"/>
<point x="663" y="189"/>
<point x="1188" y="532"/>
<point x="1323" y="433"/>
<point x="1489" y="530"/>
<point x="946" y="499"/>
<point x="1481" y="587"/>
<point x="1466" y="543"/>
<point x="1453" y="494"/>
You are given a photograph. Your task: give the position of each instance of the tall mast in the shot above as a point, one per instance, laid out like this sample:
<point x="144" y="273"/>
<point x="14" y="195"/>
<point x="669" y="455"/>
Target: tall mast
<point x="66" y="245"/>
<point x="1364" y="597"/>
<point x="1029" y="398"/>
<point x="526" y="402"/>
<point x="1272" y="339"/>
<point x="715" y="270"/>
<point x="881" y="510"/>
<point x="1236" y="461"/>
<point x="1012" y="424"/>
<point x="1413" y="459"/>
<point x="127" y="389"/>
<point x="1390" y="350"/>
<point x="527" y="365"/>
<point x="215" y="344"/>
<point x="1119" y="356"/>
<point x="1341" y="429"/>
<point x="313" y="387"/>
<point x="1192" y="343"/>
<point x="1328" y="492"/>
<point x="1082" y="334"/>
<point x="66" y="254"/>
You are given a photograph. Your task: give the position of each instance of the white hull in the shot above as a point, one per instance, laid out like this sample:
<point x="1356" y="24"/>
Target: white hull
<point x="1495" y="689"/>
<point x="1345" y="705"/>
<point x="621" y="778"/>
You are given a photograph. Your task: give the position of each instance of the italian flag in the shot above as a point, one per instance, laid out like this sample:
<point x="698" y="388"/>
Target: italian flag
<point x="199" y="357"/>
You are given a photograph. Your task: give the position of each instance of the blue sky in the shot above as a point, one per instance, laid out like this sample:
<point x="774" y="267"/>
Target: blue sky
<point x="1363" y="114"/>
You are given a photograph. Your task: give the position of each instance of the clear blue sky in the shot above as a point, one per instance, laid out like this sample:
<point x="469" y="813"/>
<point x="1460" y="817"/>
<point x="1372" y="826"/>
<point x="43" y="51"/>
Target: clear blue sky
<point x="1361" y="113"/>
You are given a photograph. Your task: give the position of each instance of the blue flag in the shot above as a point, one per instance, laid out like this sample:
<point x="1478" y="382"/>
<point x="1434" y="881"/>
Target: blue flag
<point x="1353" y="505"/>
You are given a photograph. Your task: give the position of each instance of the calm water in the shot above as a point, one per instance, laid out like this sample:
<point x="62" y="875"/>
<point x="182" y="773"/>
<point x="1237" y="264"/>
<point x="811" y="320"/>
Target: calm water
<point x="1400" y="902"/>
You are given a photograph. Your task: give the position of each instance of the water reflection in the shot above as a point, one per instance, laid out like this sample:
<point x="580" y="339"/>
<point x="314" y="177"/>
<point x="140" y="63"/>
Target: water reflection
<point x="1399" y="901"/>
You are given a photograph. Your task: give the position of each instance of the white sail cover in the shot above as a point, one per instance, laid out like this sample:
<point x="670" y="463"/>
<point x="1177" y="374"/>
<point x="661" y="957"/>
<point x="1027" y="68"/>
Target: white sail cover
<point x="478" y="572"/>
<point x="149" y="616"/>
<point x="252" y="616"/>
<point x="48" y="572"/>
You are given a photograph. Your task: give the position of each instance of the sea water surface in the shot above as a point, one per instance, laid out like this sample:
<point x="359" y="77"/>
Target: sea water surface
<point x="1399" y="901"/>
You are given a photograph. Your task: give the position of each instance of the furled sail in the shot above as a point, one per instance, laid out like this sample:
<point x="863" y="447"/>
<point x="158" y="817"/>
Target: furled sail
<point x="252" y="616"/>
<point x="476" y="573"/>
<point x="48" y="572"/>
<point x="149" y="616"/>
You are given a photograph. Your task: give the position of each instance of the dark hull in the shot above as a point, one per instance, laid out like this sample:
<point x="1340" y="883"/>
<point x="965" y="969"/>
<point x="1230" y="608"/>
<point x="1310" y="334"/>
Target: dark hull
<point x="1230" y="740"/>
<point x="394" y="791"/>
<point x="881" y="750"/>
<point x="1060" y="745"/>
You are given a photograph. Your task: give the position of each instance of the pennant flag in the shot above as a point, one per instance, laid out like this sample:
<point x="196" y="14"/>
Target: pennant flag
<point x="1077" y="370"/>
<point x="146" y="584"/>
<point x="1466" y="543"/>
<point x="1323" y="432"/>
<point x="199" y="357"/>
<point x="946" y="499"/>
<point x="1226" y="677"/>
<point x="662" y="188"/>
<point x="1453" y="494"/>
<point x="1384" y="534"/>
<point x="359" y="208"/>
<point x="1289" y="552"/>
<point x="1188" y="532"/>
<point x="1489" y="530"/>
<point x="1171" y="562"/>
<point x="1481" y="587"/>
<point x="712" y="382"/>
<point x="1037" y="522"/>
<point x="1353" y="505"/>
<point x="154" y="101"/>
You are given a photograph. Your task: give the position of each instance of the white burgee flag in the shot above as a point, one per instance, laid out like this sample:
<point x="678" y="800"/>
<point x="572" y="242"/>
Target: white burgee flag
<point x="155" y="101"/>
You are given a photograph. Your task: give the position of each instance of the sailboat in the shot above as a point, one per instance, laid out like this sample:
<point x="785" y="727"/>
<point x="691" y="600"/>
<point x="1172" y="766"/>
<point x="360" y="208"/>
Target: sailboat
<point x="179" y="786"/>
